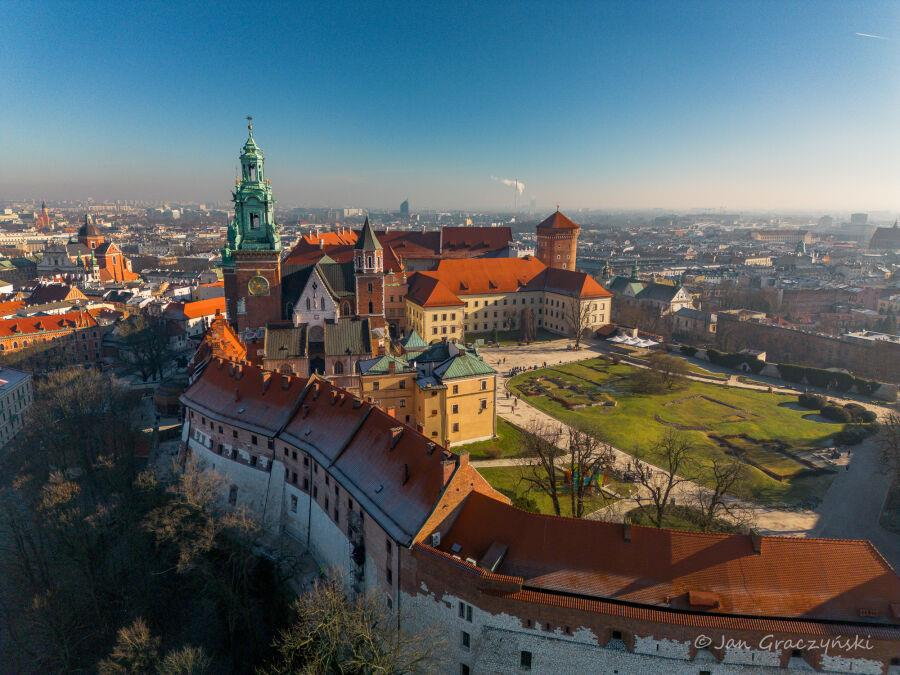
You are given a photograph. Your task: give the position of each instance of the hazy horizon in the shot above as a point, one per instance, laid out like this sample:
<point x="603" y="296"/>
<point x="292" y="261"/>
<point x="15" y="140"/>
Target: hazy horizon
<point x="749" y="107"/>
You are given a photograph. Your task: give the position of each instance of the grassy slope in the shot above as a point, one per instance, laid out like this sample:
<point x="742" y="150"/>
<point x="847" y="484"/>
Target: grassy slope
<point x="506" y="480"/>
<point x="631" y="426"/>
<point x="506" y="445"/>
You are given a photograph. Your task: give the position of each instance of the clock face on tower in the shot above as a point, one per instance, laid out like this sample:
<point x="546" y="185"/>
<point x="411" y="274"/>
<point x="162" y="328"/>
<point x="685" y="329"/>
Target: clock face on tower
<point x="258" y="285"/>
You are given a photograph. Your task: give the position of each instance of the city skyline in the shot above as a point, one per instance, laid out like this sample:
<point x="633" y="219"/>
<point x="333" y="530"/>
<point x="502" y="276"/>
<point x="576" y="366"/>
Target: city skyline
<point x="757" y="106"/>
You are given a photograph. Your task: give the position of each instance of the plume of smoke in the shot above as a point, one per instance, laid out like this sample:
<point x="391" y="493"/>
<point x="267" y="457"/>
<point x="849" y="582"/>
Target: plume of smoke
<point x="509" y="182"/>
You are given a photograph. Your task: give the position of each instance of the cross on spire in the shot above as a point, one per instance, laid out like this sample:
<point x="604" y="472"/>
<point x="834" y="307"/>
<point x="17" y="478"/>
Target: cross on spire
<point x="250" y="124"/>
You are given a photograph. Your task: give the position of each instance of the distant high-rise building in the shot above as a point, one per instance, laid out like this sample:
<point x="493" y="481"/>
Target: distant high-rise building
<point x="826" y="222"/>
<point x="404" y="208"/>
<point x="859" y="219"/>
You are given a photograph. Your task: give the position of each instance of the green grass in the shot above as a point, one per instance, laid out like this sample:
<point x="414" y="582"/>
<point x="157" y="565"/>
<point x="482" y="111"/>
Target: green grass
<point x="507" y="444"/>
<point x="506" y="479"/>
<point x="694" y="369"/>
<point x="631" y="426"/>
<point x="678" y="518"/>
<point x="512" y="337"/>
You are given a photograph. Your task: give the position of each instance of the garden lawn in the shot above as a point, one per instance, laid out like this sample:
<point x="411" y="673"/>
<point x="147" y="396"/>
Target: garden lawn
<point x="631" y="425"/>
<point x="506" y="479"/>
<point x="507" y="444"/>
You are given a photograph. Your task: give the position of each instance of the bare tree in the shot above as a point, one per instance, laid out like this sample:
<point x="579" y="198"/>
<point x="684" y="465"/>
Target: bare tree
<point x="145" y="346"/>
<point x="889" y="440"/>
<point x="333" y="634"/>
<point x="578" y="318"/>
<point x="541" y="467"/>
<point x="673" y="452"/>
<point x="588" y="459"/>
<point x="712" y="503"/>
<point x="670" y="369"/>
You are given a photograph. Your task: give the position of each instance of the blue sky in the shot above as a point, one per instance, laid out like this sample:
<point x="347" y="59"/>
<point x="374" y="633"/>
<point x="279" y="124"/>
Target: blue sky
<point x="593" y="104"/>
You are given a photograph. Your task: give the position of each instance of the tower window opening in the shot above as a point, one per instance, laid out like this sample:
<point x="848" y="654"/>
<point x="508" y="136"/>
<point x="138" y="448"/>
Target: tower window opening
<point x="371" y="307"/>
<point x="254" y="221"/>
<point x="251" y="170"/>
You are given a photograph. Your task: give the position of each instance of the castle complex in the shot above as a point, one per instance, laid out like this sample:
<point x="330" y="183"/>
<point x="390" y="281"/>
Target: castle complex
<point x="331" y="421"/>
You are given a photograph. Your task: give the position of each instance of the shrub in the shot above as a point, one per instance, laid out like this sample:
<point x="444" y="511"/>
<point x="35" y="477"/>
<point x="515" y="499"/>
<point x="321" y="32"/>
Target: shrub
<point x="836" y="413"/>
<point x="860" y="414"/>
<point x="790" y="372"/>
<point x="811" y="401"/>
<point x="866" y="387"/>
<point x="688" y="350"/>
<point x="853" y="434"/>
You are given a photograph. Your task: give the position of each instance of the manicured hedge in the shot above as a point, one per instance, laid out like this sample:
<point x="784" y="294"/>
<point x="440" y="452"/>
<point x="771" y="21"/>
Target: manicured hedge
<point x="735" y="360"/>
<point x="688" y="350"/>
<point x="836" y="413"/>
<point x="853" y="434"/>
<point x="826" y="379"/>
<point x="811" y="401"/>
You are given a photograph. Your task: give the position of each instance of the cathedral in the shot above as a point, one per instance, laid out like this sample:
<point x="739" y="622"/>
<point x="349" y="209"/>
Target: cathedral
<point x="88" y="259"/>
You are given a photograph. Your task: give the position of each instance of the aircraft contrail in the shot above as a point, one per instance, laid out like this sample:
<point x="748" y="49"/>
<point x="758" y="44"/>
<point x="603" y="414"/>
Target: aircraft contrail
<point x="870" y="35"/>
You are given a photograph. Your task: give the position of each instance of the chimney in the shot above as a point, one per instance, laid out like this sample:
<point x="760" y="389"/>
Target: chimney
<point x="449" y="466"/>
<point x="756" y="540"/>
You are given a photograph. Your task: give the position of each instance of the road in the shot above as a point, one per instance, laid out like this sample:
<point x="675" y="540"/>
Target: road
<point x="849" y="509"/>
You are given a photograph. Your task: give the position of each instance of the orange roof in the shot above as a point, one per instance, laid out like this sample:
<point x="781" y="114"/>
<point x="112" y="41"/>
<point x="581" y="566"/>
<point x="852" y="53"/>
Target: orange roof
<point x="214" y="284"/>
<point x="10" y="307"/>
<point x="199" y="308"/>
<point x="41" y="324"/>
<point x="568" y="282"/>
<point x="483" y="276"/>
<point x="558" y="221"/>
<point x="427" y="291"/>
<point x="788" y="577"/>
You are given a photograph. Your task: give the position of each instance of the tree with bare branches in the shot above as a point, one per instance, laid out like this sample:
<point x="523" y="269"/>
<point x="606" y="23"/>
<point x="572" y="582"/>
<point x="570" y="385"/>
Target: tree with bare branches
<point x="578" y="318"/>
<point x="333" y="634"/>
<point x="889" y="441"/>
<point x="588" y="459"/>
<point x="712" y="503"/>
<point x="541" y="468"/>
<point x="657" y="485"/>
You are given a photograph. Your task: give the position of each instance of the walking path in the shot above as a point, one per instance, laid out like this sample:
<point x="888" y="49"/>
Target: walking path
<point x="849" y="509"/>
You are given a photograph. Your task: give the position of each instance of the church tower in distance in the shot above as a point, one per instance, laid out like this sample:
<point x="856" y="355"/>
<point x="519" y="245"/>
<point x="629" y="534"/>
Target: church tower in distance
<point x="368" y="266"/>
<point x="251" y="257"/>
<point x="557" y="241"/>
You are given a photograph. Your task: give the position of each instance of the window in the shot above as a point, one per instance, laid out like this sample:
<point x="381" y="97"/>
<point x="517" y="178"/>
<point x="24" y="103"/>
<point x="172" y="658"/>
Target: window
<point x="389" y="575"/>
<point x="402" y="384"/>
<point x="376" y="385"/>
<point x="371" y="307"/>
<point x="484" y="385"/>
<point x="270" y="443"/>
<point x="234" y="433"/>
<point x="465" y="640"/>
<point x="617" y="635"/>
<point x="455" y="388"/>
<point x="253" y="439"/>
<point x="322" y="302"/>
<point x="455" y="409"/>
<point x="293" y="504"/>
<point x="338" y="368"/>
<point x="464" y="669"/>
<point x="232" y="495"/>
<point x="434" y="317"/>
<point x="525" y="660"/>
<point x="482" y="404"/>
<point x="402" y="402"/>
<point x="456" y="426"/>
<point x="370" y="287"/>
<point x="254" y="221"/>
<point x="465" y="611"/>
<point x="294" y="477"/>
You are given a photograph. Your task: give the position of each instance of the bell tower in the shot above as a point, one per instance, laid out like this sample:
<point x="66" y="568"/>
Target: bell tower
<point x="368" y="267"/>
<point x="251" y="257"/>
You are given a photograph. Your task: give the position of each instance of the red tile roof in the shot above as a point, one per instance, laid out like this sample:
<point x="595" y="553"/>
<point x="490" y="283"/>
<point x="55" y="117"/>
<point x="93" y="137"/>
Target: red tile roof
<point x="483" y="276"/>
<point x="427" y="291"/>
<point x="10" y="307"/>
<point x="40" y="324"/>
<point x="558" y="221"/>
<point x="197" y="308"/>
<point x="568" y="282"/>
<point x="245" y="395"/>
<point x="475" y="240"/>
<point x="790" y="577"/>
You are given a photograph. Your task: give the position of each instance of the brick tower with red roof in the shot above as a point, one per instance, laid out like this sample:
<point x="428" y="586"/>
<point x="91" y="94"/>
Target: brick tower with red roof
<point x="368" y="266"/>
<point x="557" y="241"/>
